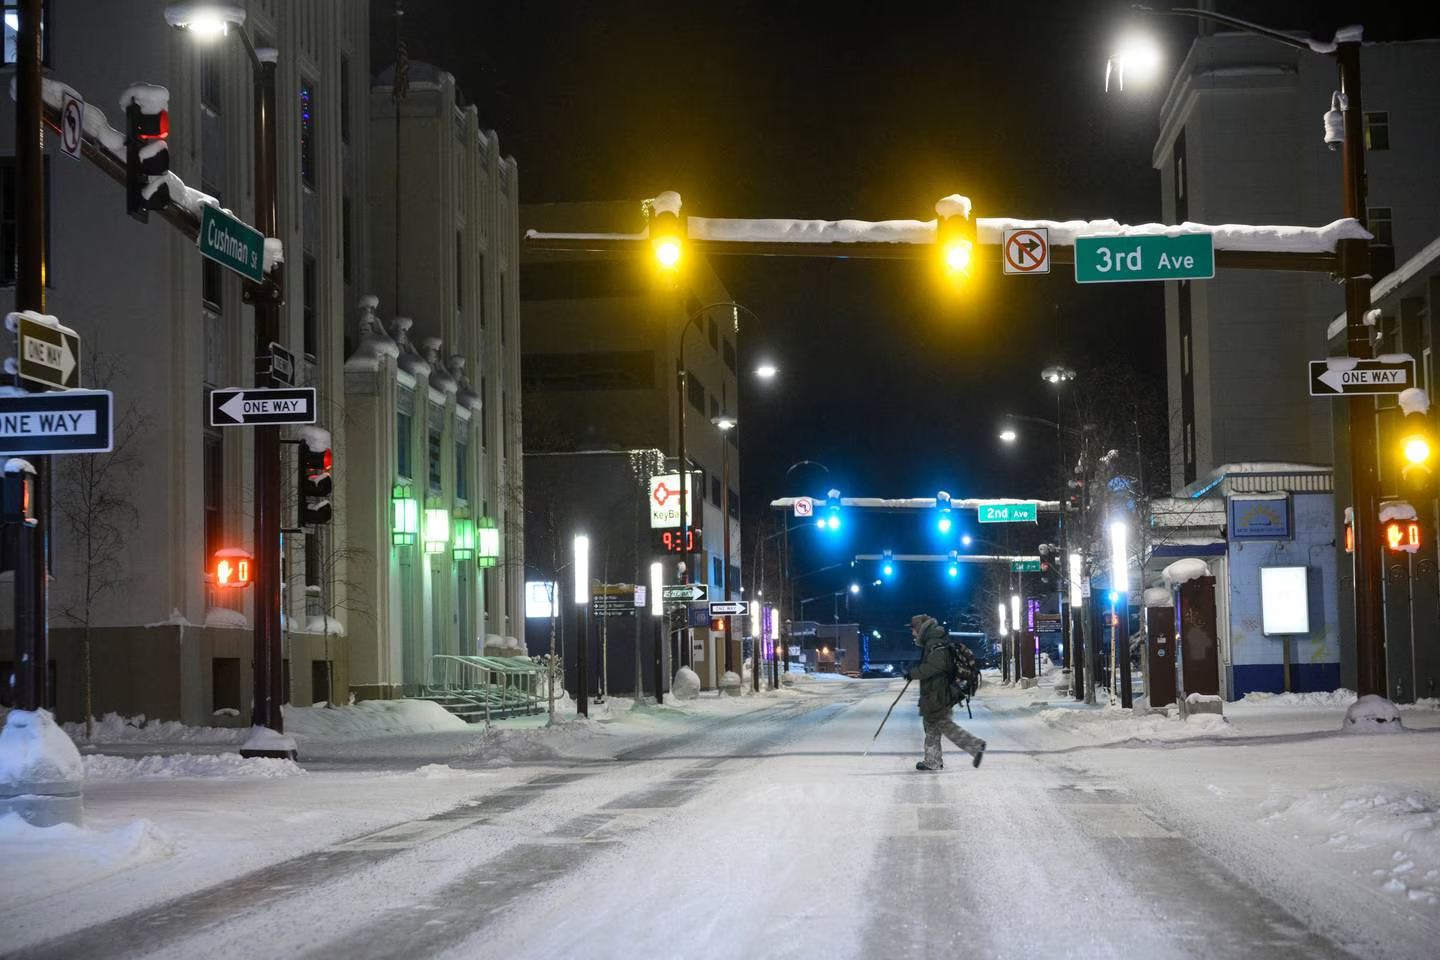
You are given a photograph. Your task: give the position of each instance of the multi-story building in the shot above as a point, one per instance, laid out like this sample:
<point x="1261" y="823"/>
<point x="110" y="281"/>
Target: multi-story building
<point x="162" y="327"/>
<point x="1241" y="142"/>
<point x="605" y="340"/>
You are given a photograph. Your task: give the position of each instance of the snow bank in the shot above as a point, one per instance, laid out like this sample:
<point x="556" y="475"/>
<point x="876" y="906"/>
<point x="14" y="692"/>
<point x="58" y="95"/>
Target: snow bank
<point x="369" y="718"/>
<point x="54" y="857"/>
<point x="686" y="685"/>
<point x="224" y="766"/>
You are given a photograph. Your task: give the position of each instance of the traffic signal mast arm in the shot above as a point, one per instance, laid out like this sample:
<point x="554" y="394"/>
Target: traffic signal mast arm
<point x="952" y="558"/>
<point x="1236" y="245"/>
<point x="104" y="146"/>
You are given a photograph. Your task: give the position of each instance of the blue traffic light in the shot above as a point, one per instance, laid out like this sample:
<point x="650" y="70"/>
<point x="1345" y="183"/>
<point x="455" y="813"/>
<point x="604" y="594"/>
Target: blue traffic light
<point x="954" y="570"/>
<point x="887" y="565"/>
<point x="942" y="514"/>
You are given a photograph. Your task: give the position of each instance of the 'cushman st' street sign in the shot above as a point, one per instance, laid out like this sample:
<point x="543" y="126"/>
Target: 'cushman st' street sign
<point x="231" y="243"/>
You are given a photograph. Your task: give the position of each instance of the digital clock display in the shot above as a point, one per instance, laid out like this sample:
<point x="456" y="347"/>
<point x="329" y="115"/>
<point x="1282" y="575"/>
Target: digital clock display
<point x="673" y="541"/>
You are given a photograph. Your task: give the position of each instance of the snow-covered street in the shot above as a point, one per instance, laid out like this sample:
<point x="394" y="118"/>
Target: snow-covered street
<point x="757" y="825"/>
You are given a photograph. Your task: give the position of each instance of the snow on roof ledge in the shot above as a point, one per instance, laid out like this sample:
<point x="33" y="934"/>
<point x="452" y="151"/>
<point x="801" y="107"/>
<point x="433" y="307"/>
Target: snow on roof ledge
<point x="1213" y="478"/>
<point x="1183" y="571"/>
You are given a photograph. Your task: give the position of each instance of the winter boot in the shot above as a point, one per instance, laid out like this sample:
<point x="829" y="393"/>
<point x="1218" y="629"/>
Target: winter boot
<point x="979" y="753"/>
<point x="922" y="765"/>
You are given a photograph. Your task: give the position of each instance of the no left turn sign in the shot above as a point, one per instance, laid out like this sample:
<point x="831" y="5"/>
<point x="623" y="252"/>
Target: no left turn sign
<point x="804" y="507"/>
<point x="1027" y="250"/>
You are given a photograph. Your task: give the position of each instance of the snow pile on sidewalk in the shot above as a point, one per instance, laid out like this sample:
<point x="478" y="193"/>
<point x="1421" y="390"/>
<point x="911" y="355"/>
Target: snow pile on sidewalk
<point x="369" y="718"/>
<point x="187" y="765"/>
<point x="113" y="728"/>
<point x="59" y="857"/>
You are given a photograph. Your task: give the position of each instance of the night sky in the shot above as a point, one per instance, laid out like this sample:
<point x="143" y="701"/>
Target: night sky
<point x="868" y="111"/>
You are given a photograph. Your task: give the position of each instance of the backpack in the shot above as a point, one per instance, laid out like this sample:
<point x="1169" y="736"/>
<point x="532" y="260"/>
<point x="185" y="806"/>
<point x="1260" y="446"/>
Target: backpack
<point x="965" y="678"/>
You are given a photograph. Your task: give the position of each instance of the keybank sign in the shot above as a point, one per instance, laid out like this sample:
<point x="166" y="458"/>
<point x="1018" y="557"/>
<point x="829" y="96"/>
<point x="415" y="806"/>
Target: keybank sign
<point x="231" y="243"/>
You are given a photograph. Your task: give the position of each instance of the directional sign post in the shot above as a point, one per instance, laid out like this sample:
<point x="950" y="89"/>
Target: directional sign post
<point x="248" y="407"/>
<point x="71" y="421"/>
<point x="1342" y="376"/>
<point x="48" y="355"/>
<point x="1189" y="256"/>
<point x="728" y="608"/>
<point x="685" y="592"/>
<point x="1027" y="251"/>
<point x="232" y="243"/>
<point x="1024" y="566"/>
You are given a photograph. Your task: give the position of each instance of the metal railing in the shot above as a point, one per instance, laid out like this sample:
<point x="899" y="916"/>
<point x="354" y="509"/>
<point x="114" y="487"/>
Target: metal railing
<point x="492" y="686"/>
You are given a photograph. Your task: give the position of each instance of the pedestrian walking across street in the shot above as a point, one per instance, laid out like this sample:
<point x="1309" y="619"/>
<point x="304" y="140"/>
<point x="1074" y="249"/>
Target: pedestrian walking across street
<point x="935" y="671"/>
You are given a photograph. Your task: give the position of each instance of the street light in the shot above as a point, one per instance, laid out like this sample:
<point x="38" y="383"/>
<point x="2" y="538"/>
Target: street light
<point x="725" y="424"/>
<point x="582" y="600"/>
<point x="208" y="21"/>
<point x="1354" y="259"/>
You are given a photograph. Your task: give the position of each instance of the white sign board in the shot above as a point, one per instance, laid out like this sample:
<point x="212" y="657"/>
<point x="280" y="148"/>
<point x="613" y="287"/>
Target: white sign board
<point x="1284" y="600"/>
<point x="1027" y="250"/>
<point x="665" y="501"/>
<point x="804" y="507"/>
<point x="72" y="124"/>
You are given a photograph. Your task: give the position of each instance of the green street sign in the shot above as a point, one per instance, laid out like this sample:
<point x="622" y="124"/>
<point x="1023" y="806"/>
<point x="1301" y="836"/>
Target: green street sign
<point x="231" y="243"/>
<point x="1024" y="566"/>
<point x="1190" y="256"/>
<point x="1027" y="512"/>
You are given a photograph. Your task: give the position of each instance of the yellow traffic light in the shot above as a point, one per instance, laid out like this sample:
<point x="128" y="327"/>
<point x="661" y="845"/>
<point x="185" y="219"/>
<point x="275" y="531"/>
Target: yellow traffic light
<point x="1417" y="449"/>
<point x="667" y="230"/>
<point x="955" y="236"/>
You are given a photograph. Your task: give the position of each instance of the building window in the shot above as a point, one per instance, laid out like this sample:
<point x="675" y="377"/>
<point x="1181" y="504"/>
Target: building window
<point x="714" y="408"/>
<point x="602" y="370"/>
<point x="715" y="489"/>
<point x="211" y="58"/>
<point x="225" y="683"/>
<point x="12" y="28"/>
<point x="1377" y="130"/>
<point x="462" y="483"/>
<point x="1189" y="443"/>
<point x="695" y="390"/>
<point x="715" y="571"/>
<point x="403" y="466"/>
<point x="735" y="509"/>
<point x="307" y="131"/>
<point x="312" y="559"/>
<point x="345" y="248"/>
<point x="459" y="270"/>
<point x="1185" y="355"/>
<point x="1380" y="222"/>
<point x="344" y="99"/>
<point x="309" y="313"/>
<point x="712" y="332"/>
<point x="213" y="467"/>
<point x="730" y="355"/>
<point x="10" y="227"/>
<point x="433" y="450"/>
<point x="484" y="414"/>
<point x="480" y="289"/>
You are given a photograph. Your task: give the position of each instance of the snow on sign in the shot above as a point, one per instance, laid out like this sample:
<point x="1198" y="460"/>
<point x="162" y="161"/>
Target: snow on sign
<point x="1027" y="250"/>
<point x="244" y="407"/>
<point x="1342" y="376"/>
<point x="66" y="421"/>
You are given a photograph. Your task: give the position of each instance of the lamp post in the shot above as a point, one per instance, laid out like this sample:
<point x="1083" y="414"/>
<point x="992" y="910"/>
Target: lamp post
<point x="582" y="602"/>
<point x="1354" y="259"/>
<point x="1059" y="375"/>
<point x="725" y="424"/>
<point x="210" y="21"/>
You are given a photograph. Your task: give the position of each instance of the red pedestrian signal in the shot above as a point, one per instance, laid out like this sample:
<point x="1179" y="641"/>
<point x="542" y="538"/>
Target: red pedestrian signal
<point x="1402" y="535"/>
<point x="233" y="568"/>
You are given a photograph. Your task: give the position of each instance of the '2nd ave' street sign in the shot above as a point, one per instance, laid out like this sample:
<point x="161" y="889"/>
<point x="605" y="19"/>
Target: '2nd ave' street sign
<point x="1348" y="376"/>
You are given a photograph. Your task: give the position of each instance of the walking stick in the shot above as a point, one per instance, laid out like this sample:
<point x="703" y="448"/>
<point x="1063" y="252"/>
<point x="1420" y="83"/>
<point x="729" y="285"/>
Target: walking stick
<point x="887" y="717"/>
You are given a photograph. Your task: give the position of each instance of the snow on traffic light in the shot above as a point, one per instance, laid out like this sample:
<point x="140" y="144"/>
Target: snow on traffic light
<point x="147" y="150"/>
<point x="314" y="484"/>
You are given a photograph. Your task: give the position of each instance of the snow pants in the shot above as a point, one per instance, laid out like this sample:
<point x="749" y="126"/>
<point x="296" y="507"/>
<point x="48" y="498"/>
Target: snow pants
<point x="940" y="724"/>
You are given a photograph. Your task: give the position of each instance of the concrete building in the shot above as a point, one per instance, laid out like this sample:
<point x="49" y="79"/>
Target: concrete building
<point x="162" y="327"/>
<point x="1240" y="142"/>
<point x="604" y="342"/>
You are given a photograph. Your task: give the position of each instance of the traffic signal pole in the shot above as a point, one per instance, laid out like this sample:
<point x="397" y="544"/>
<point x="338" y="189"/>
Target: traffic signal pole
<point x="32" y="637"/>
<point x="266" y="298"/>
